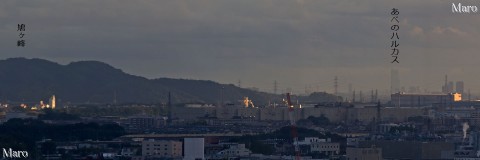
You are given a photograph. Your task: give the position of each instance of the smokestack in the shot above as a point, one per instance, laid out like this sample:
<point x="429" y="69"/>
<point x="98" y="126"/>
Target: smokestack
<point x="275" y="87"/>
<point x="361" y="97"/>
<point x="169" y="105"/>
<point x="335" y="85"/>
<point x="169" y="99"/>
<point x="469" y="95"/>
<point x="353" y="98"/>
<point x="221" y="97"/>
<point x="372" y="97"/>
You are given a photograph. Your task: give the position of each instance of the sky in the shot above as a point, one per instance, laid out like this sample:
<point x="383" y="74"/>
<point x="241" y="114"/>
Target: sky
<point x="298" y="43"/>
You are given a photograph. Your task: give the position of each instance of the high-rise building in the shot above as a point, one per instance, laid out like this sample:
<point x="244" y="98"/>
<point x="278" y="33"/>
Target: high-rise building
<point x="459" y="87"/>
<point x="445" y="86"/>
<point x="394" y="81"/>
<point x="52" y="102"/>
<point x="450" y="87"/>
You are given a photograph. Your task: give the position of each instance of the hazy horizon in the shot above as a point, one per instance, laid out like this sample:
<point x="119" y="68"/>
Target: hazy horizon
<point x="296" y="43"/>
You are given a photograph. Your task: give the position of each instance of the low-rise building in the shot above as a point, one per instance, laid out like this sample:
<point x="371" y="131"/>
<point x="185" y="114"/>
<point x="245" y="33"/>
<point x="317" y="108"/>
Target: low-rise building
<point x="327" y="148"/>
<point x="417" y="100"/>
<point x="142" y="123"/>
<point x="412" y="149"/>
<point x="235" y="150"/>
<point x="371" y="153"/>
<point x="310" y="140"/>
<point x="161" y="149"/>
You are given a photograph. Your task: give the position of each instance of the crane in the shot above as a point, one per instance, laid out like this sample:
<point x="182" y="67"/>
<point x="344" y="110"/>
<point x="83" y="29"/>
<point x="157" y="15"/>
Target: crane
<point x="293" y="126"/>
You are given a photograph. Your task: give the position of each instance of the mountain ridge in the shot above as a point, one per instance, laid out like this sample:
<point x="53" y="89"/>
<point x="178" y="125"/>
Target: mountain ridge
<point x="31" y="80"/>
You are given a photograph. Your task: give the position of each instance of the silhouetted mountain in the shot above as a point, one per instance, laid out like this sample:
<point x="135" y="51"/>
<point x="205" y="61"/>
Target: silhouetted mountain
<point x="32" y="80"/>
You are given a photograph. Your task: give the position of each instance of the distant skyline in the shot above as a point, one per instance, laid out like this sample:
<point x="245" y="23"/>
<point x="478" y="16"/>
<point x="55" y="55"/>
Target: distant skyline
<point x="302" y="43"/>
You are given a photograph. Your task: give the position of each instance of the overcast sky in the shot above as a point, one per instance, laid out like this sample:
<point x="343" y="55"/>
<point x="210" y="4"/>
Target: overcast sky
<point x="297" y="43"/>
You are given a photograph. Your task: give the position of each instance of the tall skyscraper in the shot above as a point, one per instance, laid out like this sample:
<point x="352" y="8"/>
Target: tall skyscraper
<point x="459" y="87"/>
<point x="52" y="102"/>
<point x="350" y="90"/>
<point x="445" y="86"/>
<point x="394" y="81"/>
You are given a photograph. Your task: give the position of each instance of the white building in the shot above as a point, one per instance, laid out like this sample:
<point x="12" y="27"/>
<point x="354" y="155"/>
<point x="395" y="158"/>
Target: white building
<point x="327" y="148"/>
<point x="310" y="140"/>
<point x="194" y="148"/>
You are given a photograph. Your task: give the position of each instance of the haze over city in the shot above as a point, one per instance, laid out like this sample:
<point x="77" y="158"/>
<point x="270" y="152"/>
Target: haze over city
<point x="297" y="43"/>
<point x="240" y="79"/>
